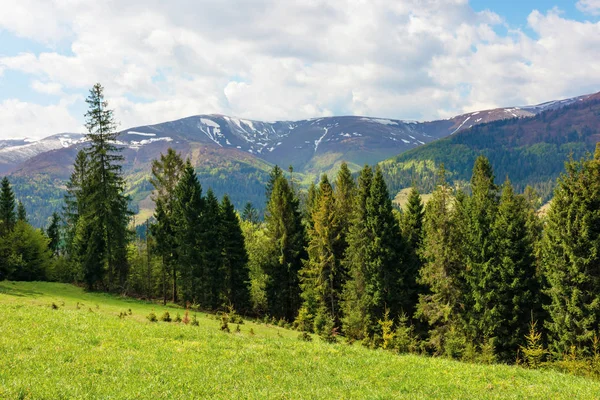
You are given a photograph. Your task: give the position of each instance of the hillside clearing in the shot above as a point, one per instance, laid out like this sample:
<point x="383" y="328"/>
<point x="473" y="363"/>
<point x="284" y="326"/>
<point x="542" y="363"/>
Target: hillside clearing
<point x="89" y="352"/>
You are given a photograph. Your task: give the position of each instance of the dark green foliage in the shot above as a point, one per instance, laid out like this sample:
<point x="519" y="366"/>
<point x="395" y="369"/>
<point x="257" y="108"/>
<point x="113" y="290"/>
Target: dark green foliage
<point x="74" y="202"/>
<point x="21" y="212"/>
<point x="53" y="233"/>
<point x="27" y="252"/>
<point x="250" y="213"/>
<point x="166" y="317"/>
<point x="234" y="259"/>
<point x="287" y="243"/>
<point x="214" y="284"/>
<point x="8" y="217"/>
<point x="570" y="256"/>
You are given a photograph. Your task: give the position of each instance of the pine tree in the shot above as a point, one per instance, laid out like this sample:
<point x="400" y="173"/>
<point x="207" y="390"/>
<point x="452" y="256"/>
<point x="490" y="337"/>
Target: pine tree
<point x="322" y="275"/>
<point x="355" y="301"/>
<point x="512" y="278"/>
<point x="287" y="241"/>
<point x="442" y="272"/>
<point x="481" y="208"/>
<point x="166" y="173"/>
<point x="106" y="214"/>
<point x="8" y="217"/>
<point x="214" y="274"/>
<point x="21" y="212"/>
<point x="386" y="274"/>
<point x="250" y="214"/>
<point x="570" y="256"/>
<point x="345" y="197"/>
<point x="186" y="222"/>
<point x="74" y="201"/>
<point x="234" y="258"/>
<point x="53" y="233"/>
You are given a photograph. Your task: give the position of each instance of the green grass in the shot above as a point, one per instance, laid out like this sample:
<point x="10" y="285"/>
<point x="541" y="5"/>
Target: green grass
<point x="89" y="352"/>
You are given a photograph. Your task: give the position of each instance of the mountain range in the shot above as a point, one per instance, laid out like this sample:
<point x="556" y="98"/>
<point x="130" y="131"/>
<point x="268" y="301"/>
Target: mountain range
<point x="234" y="155"/>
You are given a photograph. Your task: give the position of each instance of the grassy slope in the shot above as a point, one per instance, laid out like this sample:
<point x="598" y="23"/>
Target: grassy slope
<point x="77" y="353"/>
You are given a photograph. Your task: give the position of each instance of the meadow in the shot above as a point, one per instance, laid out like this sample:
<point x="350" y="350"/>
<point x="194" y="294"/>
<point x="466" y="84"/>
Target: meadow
<point x="80" y="349"/>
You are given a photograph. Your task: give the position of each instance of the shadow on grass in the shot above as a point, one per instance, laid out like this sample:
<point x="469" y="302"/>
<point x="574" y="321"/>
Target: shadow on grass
<point x="8" y="288"/>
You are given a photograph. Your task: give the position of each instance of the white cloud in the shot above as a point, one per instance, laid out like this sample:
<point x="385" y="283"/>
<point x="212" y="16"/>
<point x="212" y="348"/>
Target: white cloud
<point x="589" y="6"/>
<point x="267" y="59"/>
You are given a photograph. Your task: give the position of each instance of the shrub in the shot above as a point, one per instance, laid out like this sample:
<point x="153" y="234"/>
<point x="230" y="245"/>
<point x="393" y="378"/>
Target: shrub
<point x="237" y="328"/>
<point x="251" y="333"/>
<point x="305" y="337"/>
<point x="186" y="318"/>
<point x="177" y="318"/>
<point x="152" y="317"/>
<point x="166" y="317"/>
<point x="405" y="341"/>
<point x="387" y="332"/>
<point x="194" y="321"/>
<point x="225" y="323"/>
<point x="54" y="306"/>
<point x="534" y="352"/>
<point x="325" y="327"/>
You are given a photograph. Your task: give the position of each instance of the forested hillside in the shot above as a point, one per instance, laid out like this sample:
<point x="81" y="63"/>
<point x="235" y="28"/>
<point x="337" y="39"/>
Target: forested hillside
<point x="531" y="151"/>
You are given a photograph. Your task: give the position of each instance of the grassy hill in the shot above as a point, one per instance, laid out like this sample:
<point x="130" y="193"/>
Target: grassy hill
<point x="83" y="350"/>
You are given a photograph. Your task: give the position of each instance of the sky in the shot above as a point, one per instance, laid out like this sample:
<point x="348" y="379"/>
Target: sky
<point x="286" y="60"/>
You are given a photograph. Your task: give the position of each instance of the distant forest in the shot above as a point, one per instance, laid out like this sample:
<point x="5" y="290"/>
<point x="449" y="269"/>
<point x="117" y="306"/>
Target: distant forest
<point x="475" y="275"/>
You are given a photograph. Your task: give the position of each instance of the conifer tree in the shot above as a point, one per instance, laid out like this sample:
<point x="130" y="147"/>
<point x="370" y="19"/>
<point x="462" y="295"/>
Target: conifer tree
<point x="214" y="274"/>
<point x="322" y="276"/>
<point x="8" y="217"/>
<point x="74" y="201"/>
<point x="481" y="209"/>
<point x="512" y="279"/>
<point x="234" y="258"/>
<point x="287" y="240"/>
<point x="570" y="256"/>
<point x="166" y="172"/>
<point x="386" y="274"/>
<point x="53" y="233"/>
<point x="250" y="214"/>
<point x="345" y="196"/>
<point x="103" y="246"/>
<point x="442" y="271"/>
<point x="188" y="206"/>
<point x="355" y="302"/>
<point x="21" y="212"/>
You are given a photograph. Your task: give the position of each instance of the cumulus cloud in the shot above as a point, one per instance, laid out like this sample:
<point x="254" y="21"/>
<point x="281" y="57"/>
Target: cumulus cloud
<point x="267" y="59"/>
<point x="589" y="6"/>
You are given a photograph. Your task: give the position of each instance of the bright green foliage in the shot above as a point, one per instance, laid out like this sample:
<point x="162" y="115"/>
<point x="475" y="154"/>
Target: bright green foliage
<point x="166" y="173"/>
<point x="234" y="258"/>
<point x="570" y="256"/>
<point x="256" y="243"/>
<point x="322" y="275"/>
<point x="512" y="281"/>
<point x="29" y="256"/>
<point x="355" y="300"/>
<point x="8" y="217"/>
<point x="286" y="248"/>
<point x="104" y="215"/>
<point x="442" y="271"/>
<point x="188" y="207"/>
<point x="481" y="210"/>
<point x="345" y="198"/>
<point x="21" y="212"/>
<point x="533" y="351"/>
<point x="312" y="200"/>
<point x="386" y="276"/>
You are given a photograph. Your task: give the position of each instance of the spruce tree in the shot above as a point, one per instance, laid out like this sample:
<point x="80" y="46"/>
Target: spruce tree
<point x="234" y="258"/>
<point x="106" y="215"/>
<point x="166" y="172"/>
<point x="214" y="273"/>
<point x="355" y="302"/>
<point x="8" y="218"/>
<point x="53" y="233"/>
<point x="74" y="201"/>
<point x="21" y="212"/>
<point x="287" y="242"/>
<point x="345" y="196"/>
<point x="250" y="214"/>
<point x="186" y="223"/>
<point x="443" y="265"/>
<point x="570" y="256"/>
<point x="512" y="279"/>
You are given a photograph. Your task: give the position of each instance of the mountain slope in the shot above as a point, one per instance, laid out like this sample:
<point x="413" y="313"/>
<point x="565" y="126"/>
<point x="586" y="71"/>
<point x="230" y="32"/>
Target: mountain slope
<point x="531" y="151"/>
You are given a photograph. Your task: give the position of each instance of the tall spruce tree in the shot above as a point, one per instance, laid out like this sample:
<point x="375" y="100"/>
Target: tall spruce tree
<point x="355" y="301"/>
<point x="345" y="197"/>
<point x="386" y="275"/>
<point x="185" y="222"/>
<point x="166" y="172"/>
<point x="250" y="214"/>
<point x="287" y="240"/>
<point x="570" y="256"/>
<point x="234" y="259"/>
<point x="214" y="273"/>
<point x="482" y="207"/>
<point x="512" y="279"/>
<point x="104" y="227"/>
<point x="322" y="275"/>
<point x="53" y="233"/>
<point x="74" y="201"/>
<point x="442" y="272"/>
<point x="8" y="218"/>
<point x="21" y="212"/>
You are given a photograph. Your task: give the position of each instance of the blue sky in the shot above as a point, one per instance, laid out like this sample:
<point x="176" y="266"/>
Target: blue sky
<point x="416" y="59"/>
